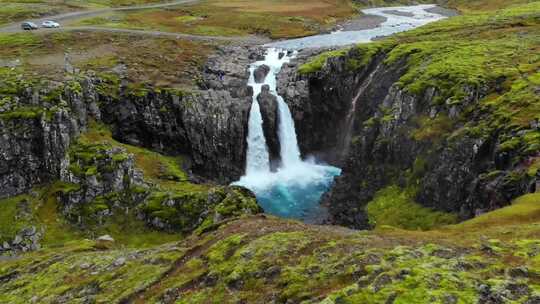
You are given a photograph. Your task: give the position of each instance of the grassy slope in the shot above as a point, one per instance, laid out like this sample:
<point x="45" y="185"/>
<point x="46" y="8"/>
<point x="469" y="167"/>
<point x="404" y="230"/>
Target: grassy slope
<point x="395" y="207"/>
<point x="276" y="19"/>
<point x="17" y="10"/>
<point x="258" y="259"/>
<point x="162" y="62"/>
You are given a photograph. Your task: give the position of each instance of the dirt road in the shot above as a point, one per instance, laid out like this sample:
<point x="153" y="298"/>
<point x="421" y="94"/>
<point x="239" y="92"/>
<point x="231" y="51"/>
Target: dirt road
<point x="73" y="16"/>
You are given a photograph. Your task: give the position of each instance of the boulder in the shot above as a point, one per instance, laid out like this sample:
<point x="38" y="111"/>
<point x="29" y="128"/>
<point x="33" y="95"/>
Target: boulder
<point x="104" y="242"/>
<point x="260" y="73"/>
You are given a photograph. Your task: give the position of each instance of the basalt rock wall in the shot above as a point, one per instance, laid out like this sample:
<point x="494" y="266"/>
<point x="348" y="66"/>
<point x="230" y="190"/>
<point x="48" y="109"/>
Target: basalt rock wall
<point x="455" y="171"/>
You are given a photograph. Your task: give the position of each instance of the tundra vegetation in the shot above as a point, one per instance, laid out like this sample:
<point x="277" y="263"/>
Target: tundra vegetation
<point x="181" y="241"/>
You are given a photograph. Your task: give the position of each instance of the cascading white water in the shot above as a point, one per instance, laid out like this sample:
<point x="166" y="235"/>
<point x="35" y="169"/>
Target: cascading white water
<point x="258" y="160"/>
<point x="294" y="190"/>
<point x="290" y="153"/>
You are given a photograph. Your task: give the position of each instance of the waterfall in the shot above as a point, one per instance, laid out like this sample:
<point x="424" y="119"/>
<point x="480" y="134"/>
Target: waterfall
<point x="290" y="153"/>
<point x="258" y="159"/>
<point x="295" y="189"/>
<point x="345" y="143"/>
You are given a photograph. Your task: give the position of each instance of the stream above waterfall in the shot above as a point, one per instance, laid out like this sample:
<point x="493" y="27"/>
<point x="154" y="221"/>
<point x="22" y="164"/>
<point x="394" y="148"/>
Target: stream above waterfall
<point x="397" y="19"/>
<point x="294" y="189"/>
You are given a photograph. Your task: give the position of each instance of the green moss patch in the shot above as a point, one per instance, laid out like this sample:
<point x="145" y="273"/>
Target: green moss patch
<point x="393" y="206"/>
<point x="356" y="57"/>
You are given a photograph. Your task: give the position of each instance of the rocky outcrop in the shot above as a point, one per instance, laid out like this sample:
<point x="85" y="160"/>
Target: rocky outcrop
<point x="198" y="210"/>
<point x="227" y="70"/>
<point x="28" y="239"/>
<point x="319" y="103"/>
<point x="260" y="73"/>
<point x="36" y="129"/>
<point x="209" y="125"/>
<point x="100" y="180"/>
<point x="269" y="112"/>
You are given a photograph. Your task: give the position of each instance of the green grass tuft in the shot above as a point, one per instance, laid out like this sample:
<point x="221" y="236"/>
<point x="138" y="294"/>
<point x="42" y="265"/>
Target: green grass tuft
<point x="393" y="206"/>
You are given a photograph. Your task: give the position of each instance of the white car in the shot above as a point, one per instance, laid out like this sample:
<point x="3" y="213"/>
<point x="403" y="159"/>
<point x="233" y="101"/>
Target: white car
<point x="50" y="24"/>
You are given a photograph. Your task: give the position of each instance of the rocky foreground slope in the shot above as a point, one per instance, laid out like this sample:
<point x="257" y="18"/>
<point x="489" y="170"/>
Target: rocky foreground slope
<point x="492" y="259"/>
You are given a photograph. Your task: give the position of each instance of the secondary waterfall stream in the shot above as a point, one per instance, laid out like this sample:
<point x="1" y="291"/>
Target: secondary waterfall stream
<point x="295" y="188"/>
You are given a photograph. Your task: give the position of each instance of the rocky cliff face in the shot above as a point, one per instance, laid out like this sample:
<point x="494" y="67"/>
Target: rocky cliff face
<point x="36" y="129"/>
<point x="399" y="137"/>
<point x="70" y="137"/>
<point x="209" y="125"/>
<point x="319" y="103"/>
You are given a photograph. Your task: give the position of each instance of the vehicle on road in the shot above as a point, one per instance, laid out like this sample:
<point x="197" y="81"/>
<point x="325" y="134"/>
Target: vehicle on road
<point x="50" y="24"/>
<point x="28" y="26"/>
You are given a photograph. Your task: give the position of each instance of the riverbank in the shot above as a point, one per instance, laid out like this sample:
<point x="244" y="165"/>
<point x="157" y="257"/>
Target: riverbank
<point x="368" y="21"/>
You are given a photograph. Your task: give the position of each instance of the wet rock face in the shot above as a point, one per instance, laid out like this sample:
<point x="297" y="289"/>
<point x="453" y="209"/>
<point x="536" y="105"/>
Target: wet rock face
<point x="209" y="126"/>
<point x="269" y="112"/>
<point x="216" y="126"/>
<point x="318" y="103"/>
<point x="260" y="73"/>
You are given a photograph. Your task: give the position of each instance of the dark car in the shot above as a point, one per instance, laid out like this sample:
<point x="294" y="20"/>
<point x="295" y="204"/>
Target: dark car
<point x="28" y="26"/>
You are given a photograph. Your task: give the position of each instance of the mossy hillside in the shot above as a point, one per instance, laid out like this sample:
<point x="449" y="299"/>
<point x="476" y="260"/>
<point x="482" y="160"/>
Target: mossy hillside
<point x="355" y="58"/>
<point x="172" y="202"/>
<point x="260" y="259"/>
<point x="393" y="206"/>
<point x="78" y="272"/>
<point x="43" y="210"/>
<point x="16" y="215"/>
<point x="33" y="56"/>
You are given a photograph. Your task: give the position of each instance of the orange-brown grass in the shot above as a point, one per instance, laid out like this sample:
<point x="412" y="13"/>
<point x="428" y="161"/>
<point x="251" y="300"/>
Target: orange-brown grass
<point x="319" y="10"/>
<point x="166" y="62"/>
<point x="275" y="19"/>
<point x="483" y="5"/>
